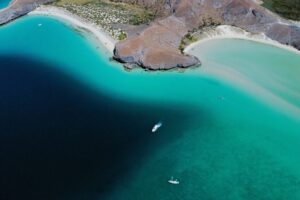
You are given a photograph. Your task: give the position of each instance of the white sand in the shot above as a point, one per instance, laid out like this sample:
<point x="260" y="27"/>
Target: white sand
<point x="221" y="32"/>
<point x="77" y="22"/>
<point x="229" y="32"/>
<point x="238" y="78"/>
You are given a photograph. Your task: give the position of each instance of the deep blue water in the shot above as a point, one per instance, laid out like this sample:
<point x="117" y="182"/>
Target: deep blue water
<point x="59" y="136"/>
<point x="74" y="125"/>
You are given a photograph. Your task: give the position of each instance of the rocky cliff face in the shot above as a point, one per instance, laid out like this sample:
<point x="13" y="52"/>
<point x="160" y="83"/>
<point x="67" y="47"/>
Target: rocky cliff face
<point x="157" y="46"/>
<point x="18" y="8"/>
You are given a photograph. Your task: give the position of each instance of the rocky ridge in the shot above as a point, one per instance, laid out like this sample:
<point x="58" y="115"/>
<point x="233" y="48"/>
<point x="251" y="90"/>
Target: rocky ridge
<point x="19" y="8"/>
<point x="157" y="47"/>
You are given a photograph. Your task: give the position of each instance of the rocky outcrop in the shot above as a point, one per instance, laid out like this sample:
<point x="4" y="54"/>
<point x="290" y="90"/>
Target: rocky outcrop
<point x="19" y="8"/>
<point x="156" y="47"/>
<point x="255" y="19"/>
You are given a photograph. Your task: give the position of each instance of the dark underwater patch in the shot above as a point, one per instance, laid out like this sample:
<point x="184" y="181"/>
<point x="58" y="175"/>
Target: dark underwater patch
<point x="59" y="137"/>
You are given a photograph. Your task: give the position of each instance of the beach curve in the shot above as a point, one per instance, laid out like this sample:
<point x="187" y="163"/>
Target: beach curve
<point x="231" y="32"/>
<point x="239" y="79"/>
<point x="76" y="22"/>
<point x="220" y="32"/>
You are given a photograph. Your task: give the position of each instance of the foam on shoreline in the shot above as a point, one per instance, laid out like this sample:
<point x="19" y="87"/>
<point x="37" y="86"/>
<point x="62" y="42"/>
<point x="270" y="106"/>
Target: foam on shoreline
<point x="107" y="41"/>
<point x="230" y="32"/>
<point x="8" y="5"/>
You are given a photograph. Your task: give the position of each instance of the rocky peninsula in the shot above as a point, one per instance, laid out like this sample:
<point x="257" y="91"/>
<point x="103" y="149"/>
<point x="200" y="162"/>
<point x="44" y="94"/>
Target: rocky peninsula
<point x="157" y="45"/>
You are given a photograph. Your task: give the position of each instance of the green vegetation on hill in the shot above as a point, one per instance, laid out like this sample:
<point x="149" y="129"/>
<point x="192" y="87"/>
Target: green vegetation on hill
<point x="78" y="2"/>
<point x="186" y="40"/>
<point x="108" y="14"/>
<point x="289" y="9"/>
<point x="193" y="35"/>
<point x="136" y="14"/>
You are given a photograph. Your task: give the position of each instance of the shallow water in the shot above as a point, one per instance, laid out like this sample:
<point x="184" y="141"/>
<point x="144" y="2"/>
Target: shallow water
<point x="4" y="3"/>
<point x="270" y="69"/>
<point x="76" y="126"/>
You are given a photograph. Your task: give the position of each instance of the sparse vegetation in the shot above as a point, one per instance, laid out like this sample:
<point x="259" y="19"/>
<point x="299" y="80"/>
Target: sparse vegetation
<point x="122" y="36"/>
<point x="289" y="9"/>
<point x="193" y="35"/>
<point x="108" y="14"/>
<point x="141" y="18"/>
<point x="186" y="40"/>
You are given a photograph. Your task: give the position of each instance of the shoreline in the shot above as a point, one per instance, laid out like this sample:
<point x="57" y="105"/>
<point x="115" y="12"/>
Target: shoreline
<point x="220" y="32"/>
<point x="76" y="22"/>
<point x="240" y="80"/>
<point x="11" y="3"/>
<point x="230" y="32"/>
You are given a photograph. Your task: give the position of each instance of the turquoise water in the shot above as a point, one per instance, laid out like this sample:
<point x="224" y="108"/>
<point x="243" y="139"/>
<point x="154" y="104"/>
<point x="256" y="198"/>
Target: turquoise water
<point x="4" y="3"/>
<point x="271" y="70"/>
<point x="219" y="137"/>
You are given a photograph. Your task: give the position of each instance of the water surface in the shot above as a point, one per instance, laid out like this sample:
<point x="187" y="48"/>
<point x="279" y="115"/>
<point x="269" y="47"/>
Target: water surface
<point x="4" y="3"/>
<point x="76" y="126"/>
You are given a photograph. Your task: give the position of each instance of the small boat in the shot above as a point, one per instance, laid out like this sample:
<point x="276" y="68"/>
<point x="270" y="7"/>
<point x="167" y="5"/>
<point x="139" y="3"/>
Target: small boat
<point x="40" y="25"/>
<point x="172" y="181"/>
<point x="156" y="126"/>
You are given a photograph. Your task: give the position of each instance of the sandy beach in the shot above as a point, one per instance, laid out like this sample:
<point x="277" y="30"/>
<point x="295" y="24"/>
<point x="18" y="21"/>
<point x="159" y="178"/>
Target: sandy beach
<point x="220" y="32"/>
<point x="230" y="32"/>
<point x="77" y="22"/>
<point x="241" y="79"/>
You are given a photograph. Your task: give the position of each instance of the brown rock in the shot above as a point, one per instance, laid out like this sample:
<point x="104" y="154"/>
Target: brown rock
<point x="19" y="8"/>
<point x="156" y="47"/>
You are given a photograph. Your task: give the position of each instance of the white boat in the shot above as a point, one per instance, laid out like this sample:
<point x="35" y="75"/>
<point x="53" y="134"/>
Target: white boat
<point x="156" y="126"/>
<point x="40" y="25"/>
<point x="173" y="181"/>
